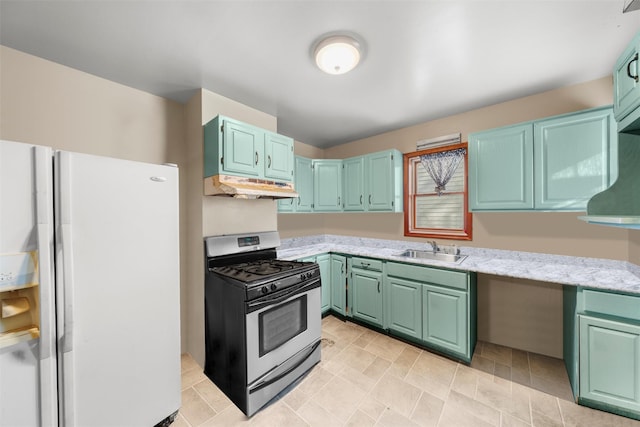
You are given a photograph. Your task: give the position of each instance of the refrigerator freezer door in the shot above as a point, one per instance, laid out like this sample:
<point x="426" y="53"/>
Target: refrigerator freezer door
<point x="28" y="386"/>
<point x="118" y="290"/>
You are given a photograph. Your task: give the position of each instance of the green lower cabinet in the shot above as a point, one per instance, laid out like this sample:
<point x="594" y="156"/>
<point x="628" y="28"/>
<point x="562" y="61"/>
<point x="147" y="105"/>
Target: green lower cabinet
<point x="405" y="308"/>
<point x="610" y="365"/>
<point x="339" y="284"/>
<point x="444" y="319"/>
<point x="366" y="287"/>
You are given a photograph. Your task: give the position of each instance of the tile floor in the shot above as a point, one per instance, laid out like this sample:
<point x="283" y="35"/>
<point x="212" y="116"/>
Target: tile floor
<point x="366" y="379"/>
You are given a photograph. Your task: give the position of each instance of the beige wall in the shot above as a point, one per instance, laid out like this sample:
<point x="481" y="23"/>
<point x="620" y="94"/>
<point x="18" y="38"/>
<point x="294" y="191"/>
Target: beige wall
<point x="45" y="103"/>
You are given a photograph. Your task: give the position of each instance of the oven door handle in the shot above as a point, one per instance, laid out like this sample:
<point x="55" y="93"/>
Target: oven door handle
<point x="268" y="300"/>
<point x="268" y="382"/>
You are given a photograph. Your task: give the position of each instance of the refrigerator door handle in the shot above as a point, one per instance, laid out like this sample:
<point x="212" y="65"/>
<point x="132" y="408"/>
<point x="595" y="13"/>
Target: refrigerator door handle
<point x="44" y="230"/>
<point x="67" y="337"/>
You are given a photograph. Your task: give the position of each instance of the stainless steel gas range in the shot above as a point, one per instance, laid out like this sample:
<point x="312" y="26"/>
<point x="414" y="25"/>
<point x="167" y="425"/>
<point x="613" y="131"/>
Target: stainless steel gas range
<point x="262" y="318"/>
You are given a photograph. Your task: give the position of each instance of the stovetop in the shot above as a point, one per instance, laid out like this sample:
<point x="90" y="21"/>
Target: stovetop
<point x="263" y="270"/>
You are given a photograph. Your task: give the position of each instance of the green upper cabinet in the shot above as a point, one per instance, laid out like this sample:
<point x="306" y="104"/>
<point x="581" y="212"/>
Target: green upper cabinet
<point x="557" y="163"/>
<point x="232" y="147"/>
<point x="373" y="182"/>
<point x="303" y="183"/>
<point x="279" y="163"/>
<point x="384" y="181"/>
<point x="327" y="185"/>
<point x="626" y="89"/>
<point x="501" y="168"/>
<point x="354" y="183"/>
<point x="575" y="158"/>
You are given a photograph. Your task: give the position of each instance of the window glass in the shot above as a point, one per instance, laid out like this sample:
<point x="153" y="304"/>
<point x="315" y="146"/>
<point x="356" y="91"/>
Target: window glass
<point x="436" y="202"/>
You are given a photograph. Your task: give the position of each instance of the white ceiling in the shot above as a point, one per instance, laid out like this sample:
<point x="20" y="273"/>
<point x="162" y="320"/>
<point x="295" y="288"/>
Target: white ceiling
<point x="423" y="59"/>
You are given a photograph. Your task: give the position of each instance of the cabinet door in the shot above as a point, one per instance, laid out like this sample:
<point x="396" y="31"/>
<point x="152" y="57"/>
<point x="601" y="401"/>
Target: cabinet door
<point x="610" y="362"/>
<point x="242" y="149"/>
<point x="324" y="263"/>
<point x="287" y="205"/>
<point x="327" y="185"/>
<point x="405" y="307"/>
<point x="575" y="158"/>
<point x="278" y="150"/>
<point x="338" y="284"/>
<point x="380" y="181"/>
<point x="367" y="296"/>
<point x="304" y="184"/>
<point x="354" y="181"/>
<point x="501" y="169"/>
<point x="444" y="318"/>
<point x="626" y="89"/>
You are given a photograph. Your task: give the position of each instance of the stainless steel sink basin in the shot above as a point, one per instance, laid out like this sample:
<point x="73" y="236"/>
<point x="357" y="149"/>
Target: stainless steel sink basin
<point x="438" y="256"/>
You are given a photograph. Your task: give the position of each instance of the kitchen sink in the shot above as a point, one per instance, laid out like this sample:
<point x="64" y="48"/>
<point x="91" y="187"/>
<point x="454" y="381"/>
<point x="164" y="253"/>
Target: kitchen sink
<point x="437" y="256"/>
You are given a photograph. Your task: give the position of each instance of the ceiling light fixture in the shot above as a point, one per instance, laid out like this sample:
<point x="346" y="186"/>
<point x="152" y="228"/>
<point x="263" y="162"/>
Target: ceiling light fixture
<point x="337" y="54"/>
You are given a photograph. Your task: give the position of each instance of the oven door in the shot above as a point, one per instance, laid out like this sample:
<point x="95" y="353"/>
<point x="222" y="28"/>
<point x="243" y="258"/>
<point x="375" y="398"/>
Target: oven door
<point x="280" y="326"/>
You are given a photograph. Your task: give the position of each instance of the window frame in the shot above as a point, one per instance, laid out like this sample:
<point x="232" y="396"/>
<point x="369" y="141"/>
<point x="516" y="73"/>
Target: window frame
<point x="466" y="233"/>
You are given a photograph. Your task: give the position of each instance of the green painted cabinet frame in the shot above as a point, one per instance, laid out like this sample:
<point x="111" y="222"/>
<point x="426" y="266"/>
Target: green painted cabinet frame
<point x="303" y="183"/>
<point x="557" y="163"/>
<point x="354" y="183"/>
<point x="405" y="307"/>
<point x="236" y="148"/>
<point x="602" y="348"/>
<point x="501" y="169"/>
<point x="367" y="292"/>
<point x="575" y="157"/>
<point x="445" y="318"/>
<point x="339" y="284"/>
<point x="626" y="88"/>
<point x="327" y="185"/>
<point x="610" y="363"/>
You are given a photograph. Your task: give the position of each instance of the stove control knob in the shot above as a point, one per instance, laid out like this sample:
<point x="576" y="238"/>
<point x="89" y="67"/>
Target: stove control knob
<point x="264" y="290"/>
<point x="302" y="276"/>
<point x="273" y="287"/>
<point x="309" y="274"/>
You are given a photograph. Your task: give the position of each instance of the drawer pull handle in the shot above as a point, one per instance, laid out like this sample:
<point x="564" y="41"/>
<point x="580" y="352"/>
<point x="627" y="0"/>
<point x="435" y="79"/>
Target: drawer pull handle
<point x="635" y="59"/>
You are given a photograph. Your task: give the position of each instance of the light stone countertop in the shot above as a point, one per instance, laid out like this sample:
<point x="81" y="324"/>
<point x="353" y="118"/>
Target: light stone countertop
<point x="595" y="273"/>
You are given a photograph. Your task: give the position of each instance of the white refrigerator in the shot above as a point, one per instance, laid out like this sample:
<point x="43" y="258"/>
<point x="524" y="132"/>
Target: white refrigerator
<point x="89" y="290"/>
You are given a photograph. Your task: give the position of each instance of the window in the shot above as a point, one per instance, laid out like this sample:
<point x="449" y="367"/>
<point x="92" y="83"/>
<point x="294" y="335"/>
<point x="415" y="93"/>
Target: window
<point x="433" y="210"/>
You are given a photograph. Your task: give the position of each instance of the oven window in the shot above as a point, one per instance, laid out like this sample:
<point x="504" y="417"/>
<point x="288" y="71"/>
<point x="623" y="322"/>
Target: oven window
<point x="279" y="324"/>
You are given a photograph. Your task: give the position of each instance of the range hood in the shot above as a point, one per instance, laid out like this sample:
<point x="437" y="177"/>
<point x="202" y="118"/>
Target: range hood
<point x="247" y="188"/>
<point x="619" y="205"/>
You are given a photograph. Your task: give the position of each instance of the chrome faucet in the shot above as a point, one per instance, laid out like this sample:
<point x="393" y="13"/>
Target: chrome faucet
<point x="434" y="246"/>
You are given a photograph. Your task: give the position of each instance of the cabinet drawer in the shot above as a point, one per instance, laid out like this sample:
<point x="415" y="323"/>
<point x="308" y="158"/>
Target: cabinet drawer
<point x="366" y="263"/>
<point x="454" y="279"/>
<point x="627" y="306"/>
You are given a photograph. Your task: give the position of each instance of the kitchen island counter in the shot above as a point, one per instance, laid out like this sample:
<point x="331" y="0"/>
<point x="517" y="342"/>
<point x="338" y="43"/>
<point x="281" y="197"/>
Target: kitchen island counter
<point x="611" y="275"/>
